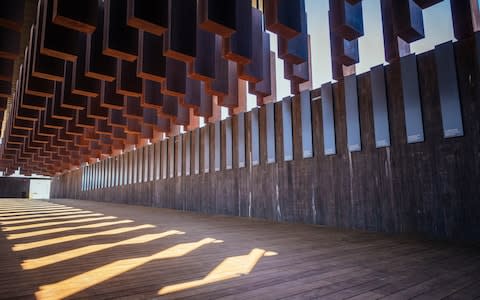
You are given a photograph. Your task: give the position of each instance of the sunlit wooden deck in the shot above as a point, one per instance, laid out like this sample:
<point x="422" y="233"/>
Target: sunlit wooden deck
<point x="83" y="249"/>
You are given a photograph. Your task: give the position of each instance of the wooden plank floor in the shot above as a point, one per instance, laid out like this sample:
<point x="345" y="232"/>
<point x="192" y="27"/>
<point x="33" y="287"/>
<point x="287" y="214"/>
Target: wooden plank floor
<point x="67" y="249"/>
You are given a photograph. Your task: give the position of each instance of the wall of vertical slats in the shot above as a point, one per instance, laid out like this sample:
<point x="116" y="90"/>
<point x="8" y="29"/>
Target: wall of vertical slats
<point x="429" y="187"/>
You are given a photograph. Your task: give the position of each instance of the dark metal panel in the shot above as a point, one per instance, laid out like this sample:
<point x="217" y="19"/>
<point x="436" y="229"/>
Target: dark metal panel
<point x="164" y="151"/>
<point x="255" y="137"/>
<point x="287" y="129"/>
<point x="284" y="17"/>
<point x="203" y="67"/>
<point x="90" y="182"/>
<point x="253" y="71"/>
<point x="228" y="144"/>
<point x="347" y="19"/>
<point x="116" y="167"/>
<point x="178" y="155"/>
<point x="151" y="162"/>
<point x="119" y="40"/>
<point x="97" y="175"/>
<point x="111" y="172"/>
<point x="196" y="157"/>
<point x="448" y="91"/>
<point x="411" y="99"/>
<point x="113" y="168"/>
<point x="390" y="39"/>
<point x="92" y="177"/>
<point x="354" y="141"/>
<point x="82" y="182"/>
<point x="188" y="138"/>
<point x="129" y="161"/>
<point x="98" y="179"/>
<point x="241" y="139"/>
<point x="139" y="164"/>
<point x="206" y="149"/>
<point x="306" y="119"/>
<point x="86" y="173"/>
<point x="138" y="169"/>
<point x="151" y="16"/>
<point x="135" y="166"/>
<point x="126" y="179"/>
<point x="146" y="165"/>
<point x="125" y="168"/>
<point x="157" y="160"/>
<point x="328" y="119"/>
<point x="407" y="20"/>
<point x="171" y="157"/>
<point x="379" y="106"/>
<point x="102" y="174"/>
<point x="108" y="173"/>
<point x="105" y="173"/>
<point x="343" y="51"/>
<point x="217" y="145"/>
<point x="121" y="171"/>
<point x="218" y="16"/>
<point x="463" y="24"/>
<point x="239" y="48"/>
<point x="180" y="38"/>
<point x="113" y="181"/>
<point x="270" y="120"/>
<point x="151" y="63"/>
<point x="219" y="85"/>
<point x="85" y="178"/>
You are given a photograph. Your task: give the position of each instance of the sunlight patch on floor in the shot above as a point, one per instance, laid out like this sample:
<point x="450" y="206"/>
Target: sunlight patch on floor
<point x="32" y="222"/>
<point x="76" y="284"/>
<point x="229" y="268"/>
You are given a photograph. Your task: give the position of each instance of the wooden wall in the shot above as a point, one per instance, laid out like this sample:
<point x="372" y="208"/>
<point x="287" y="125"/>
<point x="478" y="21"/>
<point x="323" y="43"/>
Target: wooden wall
<point x="430" y="188"/>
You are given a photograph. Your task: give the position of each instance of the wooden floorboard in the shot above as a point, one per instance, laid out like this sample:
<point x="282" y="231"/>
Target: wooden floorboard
<point x="71" y="249"/>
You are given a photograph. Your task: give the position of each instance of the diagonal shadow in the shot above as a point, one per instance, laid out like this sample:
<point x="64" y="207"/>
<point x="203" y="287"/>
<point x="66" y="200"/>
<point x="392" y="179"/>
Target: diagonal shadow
<point x="28" y="213"/>
<point x="36" y="220"/>
<point x="23" y="228"/>
<point x="16" y="236"/>
<point x="35" y="216"/>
